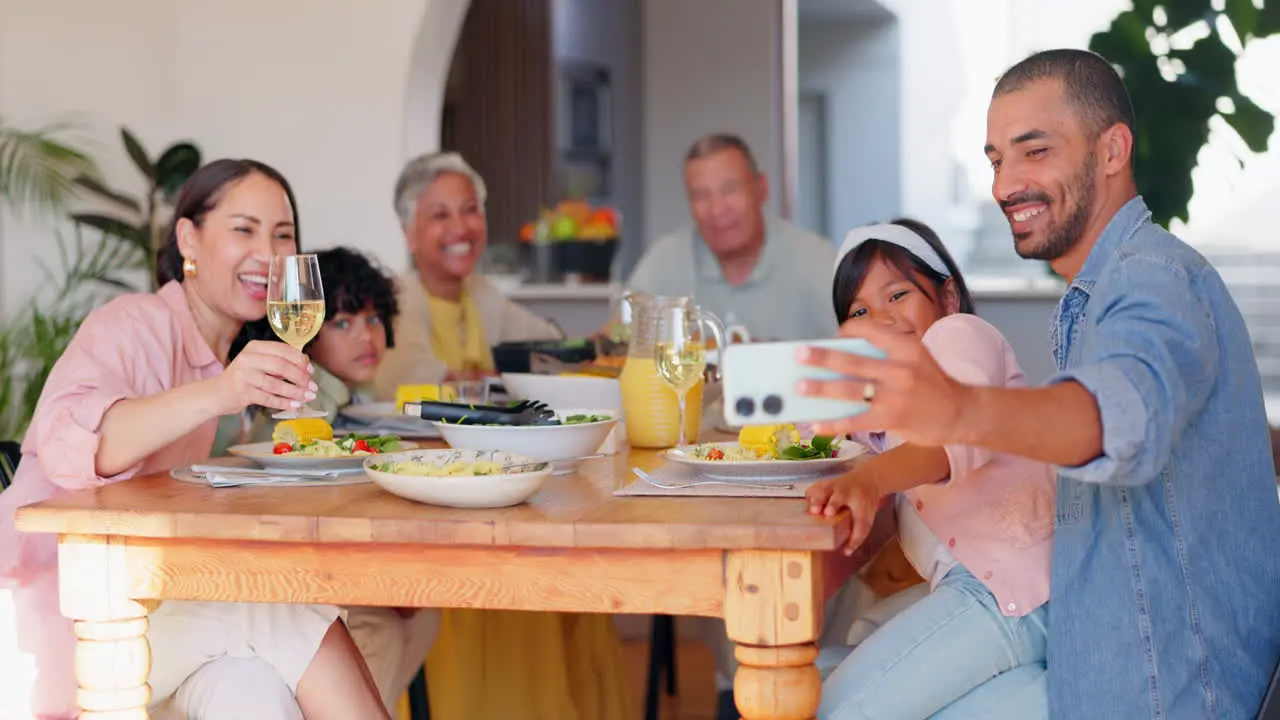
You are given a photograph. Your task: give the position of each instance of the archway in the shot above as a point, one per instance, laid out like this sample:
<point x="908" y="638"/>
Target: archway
<point x="429" y="61"/>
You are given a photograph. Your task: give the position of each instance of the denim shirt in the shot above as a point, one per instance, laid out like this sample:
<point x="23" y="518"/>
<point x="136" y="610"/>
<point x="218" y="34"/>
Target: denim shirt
<point x="1166" y="557"/>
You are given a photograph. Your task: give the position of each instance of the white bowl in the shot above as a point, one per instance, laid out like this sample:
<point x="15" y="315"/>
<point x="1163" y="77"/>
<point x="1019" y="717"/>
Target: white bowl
<point x="565" y="390"/>
<point x="459" y="491"/>
<point x="541" y="442"/>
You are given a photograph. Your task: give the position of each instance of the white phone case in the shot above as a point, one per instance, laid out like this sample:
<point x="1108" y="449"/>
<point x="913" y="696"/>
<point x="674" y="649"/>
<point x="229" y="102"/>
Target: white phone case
<point x="760" y="383"/>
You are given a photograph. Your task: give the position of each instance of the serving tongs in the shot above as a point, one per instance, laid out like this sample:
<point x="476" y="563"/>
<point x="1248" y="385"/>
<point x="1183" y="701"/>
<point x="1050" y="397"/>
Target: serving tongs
<point x="525" y="412"/>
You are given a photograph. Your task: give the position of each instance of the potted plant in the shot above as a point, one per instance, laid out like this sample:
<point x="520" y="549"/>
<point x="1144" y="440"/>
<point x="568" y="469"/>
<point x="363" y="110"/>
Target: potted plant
<point x="92" y="266"/>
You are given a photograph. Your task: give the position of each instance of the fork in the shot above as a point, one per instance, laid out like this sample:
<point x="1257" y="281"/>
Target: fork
<point x="680" y="486"/>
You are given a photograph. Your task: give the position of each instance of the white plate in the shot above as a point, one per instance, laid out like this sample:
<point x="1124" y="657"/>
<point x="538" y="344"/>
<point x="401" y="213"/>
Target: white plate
<point x="460" y="491"/>
<point x="383" y="418"/>
<point x="187" y="474"/>
<point x="758" y="470"/>
<point x="261" y="454"/>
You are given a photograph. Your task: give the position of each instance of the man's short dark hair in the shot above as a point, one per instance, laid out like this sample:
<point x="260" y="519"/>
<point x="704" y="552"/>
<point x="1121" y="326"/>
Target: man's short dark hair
<point x="715" y="142"/>
<point x="1092" y="86"/>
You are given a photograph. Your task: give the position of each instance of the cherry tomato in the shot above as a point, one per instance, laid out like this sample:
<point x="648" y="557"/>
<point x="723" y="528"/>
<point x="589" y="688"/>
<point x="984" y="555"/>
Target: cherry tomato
<point x="361" y="445"/>
<point x="715" y="454"/>
<point x="282" y="448"/>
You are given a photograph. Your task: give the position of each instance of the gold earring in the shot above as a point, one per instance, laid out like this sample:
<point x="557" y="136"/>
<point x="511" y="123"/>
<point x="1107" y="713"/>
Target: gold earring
<point x="188" y="267"/>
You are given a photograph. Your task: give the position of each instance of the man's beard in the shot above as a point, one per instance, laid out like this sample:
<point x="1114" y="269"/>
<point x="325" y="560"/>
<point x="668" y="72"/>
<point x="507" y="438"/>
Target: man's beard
<point x="1062" y="237"/>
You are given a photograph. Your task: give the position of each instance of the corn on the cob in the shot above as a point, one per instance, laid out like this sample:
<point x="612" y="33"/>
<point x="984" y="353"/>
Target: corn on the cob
<point x="419" y="393"/>
<point x="767" y="440"/>
<point x="302" y="430"/>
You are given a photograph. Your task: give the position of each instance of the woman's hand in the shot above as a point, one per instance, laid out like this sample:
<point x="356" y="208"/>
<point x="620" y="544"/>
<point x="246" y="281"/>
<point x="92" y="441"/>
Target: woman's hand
<point x="270" y="374"/>
<point x="851" y="491"/>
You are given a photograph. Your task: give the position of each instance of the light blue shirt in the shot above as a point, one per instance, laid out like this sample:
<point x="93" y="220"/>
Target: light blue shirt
<point x="1166" y="557"/>
<point x="787" y="296"/>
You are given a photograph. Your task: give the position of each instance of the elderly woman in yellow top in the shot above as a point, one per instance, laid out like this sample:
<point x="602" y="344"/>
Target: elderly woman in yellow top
<point x="485" y="663"/>
<point x="450" y="317"/>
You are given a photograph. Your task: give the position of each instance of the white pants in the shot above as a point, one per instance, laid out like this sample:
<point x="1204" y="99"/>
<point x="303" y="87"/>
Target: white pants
<point x="232" y="685"/>
<point x="219" y="661"/>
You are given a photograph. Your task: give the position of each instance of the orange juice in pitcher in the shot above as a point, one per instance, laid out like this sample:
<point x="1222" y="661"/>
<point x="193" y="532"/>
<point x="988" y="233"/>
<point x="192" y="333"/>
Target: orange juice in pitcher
<point x="649" y="404"/>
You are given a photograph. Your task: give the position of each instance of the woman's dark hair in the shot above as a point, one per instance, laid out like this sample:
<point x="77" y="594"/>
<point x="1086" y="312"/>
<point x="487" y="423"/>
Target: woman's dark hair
<point x="353" y="283"/>
<point x="200" y="194"/>
<point x="853" y="268"/>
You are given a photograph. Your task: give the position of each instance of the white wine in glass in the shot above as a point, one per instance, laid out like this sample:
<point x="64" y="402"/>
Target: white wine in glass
<point x="295" y="309"/>
<point x="680" y="355"/>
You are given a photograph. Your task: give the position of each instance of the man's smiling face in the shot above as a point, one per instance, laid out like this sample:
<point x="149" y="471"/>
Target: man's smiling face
<point x="1045" y="168"/>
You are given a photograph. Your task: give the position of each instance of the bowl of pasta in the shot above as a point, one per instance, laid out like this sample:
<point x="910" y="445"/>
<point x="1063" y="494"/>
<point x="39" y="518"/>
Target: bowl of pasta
<point x="459" y="478"/>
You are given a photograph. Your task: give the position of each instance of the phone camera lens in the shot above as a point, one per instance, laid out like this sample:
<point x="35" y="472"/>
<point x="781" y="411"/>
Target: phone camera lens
<point x="772" y="404"/>
<point x="746" y="407"/>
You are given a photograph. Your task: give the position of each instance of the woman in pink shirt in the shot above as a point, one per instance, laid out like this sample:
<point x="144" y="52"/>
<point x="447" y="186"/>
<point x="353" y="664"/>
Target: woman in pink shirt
<point x="140" y="389"/>
<point x="977" y="526"/>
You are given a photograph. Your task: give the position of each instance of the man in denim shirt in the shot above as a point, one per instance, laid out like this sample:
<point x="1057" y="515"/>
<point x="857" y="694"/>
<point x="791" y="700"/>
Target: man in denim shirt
<point x="1165" y="596"/>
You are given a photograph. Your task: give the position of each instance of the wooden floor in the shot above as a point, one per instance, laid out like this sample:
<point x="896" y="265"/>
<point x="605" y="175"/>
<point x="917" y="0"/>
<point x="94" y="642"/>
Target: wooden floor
<point x="695" y="667"/>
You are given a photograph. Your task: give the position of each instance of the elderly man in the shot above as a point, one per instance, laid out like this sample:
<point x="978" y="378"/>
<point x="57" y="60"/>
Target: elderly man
<point x="1165" y="586"/>
<point x="750" y="269"/>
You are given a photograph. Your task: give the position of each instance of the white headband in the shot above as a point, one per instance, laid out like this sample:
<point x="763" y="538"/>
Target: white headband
<point x="897" y="235"/>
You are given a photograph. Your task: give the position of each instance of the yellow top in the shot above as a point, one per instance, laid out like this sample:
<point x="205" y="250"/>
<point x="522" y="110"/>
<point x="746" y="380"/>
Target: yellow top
<point x="457" y="334"/>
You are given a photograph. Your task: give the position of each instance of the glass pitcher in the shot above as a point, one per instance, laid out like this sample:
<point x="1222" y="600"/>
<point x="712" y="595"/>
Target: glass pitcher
<point x="649" y="406"/>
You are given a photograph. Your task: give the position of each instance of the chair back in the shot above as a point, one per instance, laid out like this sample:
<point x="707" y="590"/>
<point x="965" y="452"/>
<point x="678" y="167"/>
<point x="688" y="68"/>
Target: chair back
<point x="11" y="452"/>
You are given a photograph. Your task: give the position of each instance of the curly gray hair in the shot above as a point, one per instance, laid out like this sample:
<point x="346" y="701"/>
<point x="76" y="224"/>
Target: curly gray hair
<point x="421" y="171"/>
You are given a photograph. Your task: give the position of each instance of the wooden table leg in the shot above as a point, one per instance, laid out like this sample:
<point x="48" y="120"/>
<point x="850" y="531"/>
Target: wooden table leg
<point x="773" y="612"/>
<point x="113" y="658"/>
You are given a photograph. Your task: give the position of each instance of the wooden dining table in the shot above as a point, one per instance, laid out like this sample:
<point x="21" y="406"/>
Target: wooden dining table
<point x="574" y="547"/>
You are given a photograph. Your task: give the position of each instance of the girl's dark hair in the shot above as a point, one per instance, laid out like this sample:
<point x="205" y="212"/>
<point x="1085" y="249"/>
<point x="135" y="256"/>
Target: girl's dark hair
<point x="853" y="267"/>
<point x="200" y="194"/>
<point x="353" y="283"/>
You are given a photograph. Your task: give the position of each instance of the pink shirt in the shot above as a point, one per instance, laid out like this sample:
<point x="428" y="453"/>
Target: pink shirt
<point x="134" y="346"/>
<point x="995" y="513"/>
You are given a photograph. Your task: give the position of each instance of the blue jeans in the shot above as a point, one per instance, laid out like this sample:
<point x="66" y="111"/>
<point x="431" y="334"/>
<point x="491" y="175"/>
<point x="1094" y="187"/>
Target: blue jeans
<point x="950" y="654"/>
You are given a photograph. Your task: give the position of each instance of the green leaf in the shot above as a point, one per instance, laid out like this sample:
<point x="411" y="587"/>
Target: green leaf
<point x="96" y="187"/>
<point x="1252" y="123"/>
<point x="1182" y="13"/>
<point x="115" y="227"/>
<point x="1268" y="19"/>
<point x="1211" y="66"/>
<point x="139" y="155"/>
<point x="38" y="168"/>
<point x="176" y="165"/>
<point x="1243" y="15"/>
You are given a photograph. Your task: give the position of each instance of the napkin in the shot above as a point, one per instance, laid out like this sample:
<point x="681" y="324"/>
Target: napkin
<point x="220" y="476"/>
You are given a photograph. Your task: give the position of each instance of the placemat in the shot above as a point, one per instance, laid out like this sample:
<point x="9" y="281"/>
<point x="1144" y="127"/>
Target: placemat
<point x="680" y="474"/>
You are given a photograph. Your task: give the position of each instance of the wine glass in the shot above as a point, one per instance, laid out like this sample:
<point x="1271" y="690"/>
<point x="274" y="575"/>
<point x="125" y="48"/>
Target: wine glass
<point x="680" y="354"/>
<point x="295" y="309"/>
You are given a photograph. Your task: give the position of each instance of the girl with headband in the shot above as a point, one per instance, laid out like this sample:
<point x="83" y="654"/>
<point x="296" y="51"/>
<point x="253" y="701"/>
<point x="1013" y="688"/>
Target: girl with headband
<point x="976" y="525"/>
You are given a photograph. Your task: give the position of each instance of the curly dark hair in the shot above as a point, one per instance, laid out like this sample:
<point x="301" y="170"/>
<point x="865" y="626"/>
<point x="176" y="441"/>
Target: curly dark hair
<point x="354" y="283"/>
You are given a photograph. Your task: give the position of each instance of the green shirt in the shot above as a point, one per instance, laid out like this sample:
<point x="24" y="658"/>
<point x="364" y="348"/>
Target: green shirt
<point x="787" y="296"/>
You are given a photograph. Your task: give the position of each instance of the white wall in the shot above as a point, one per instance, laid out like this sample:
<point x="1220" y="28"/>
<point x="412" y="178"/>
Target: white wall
<point x="855" y="64"/>
<point x="709" y="66"/>
<point x="335" y="94"/>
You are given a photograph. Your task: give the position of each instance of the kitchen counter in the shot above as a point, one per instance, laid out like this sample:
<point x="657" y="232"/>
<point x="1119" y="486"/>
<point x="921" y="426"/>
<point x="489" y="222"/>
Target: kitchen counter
<point x="1021" y="307"/>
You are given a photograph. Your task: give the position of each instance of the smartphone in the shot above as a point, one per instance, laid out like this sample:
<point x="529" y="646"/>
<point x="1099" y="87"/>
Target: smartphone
<point x="760" y="383"/>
